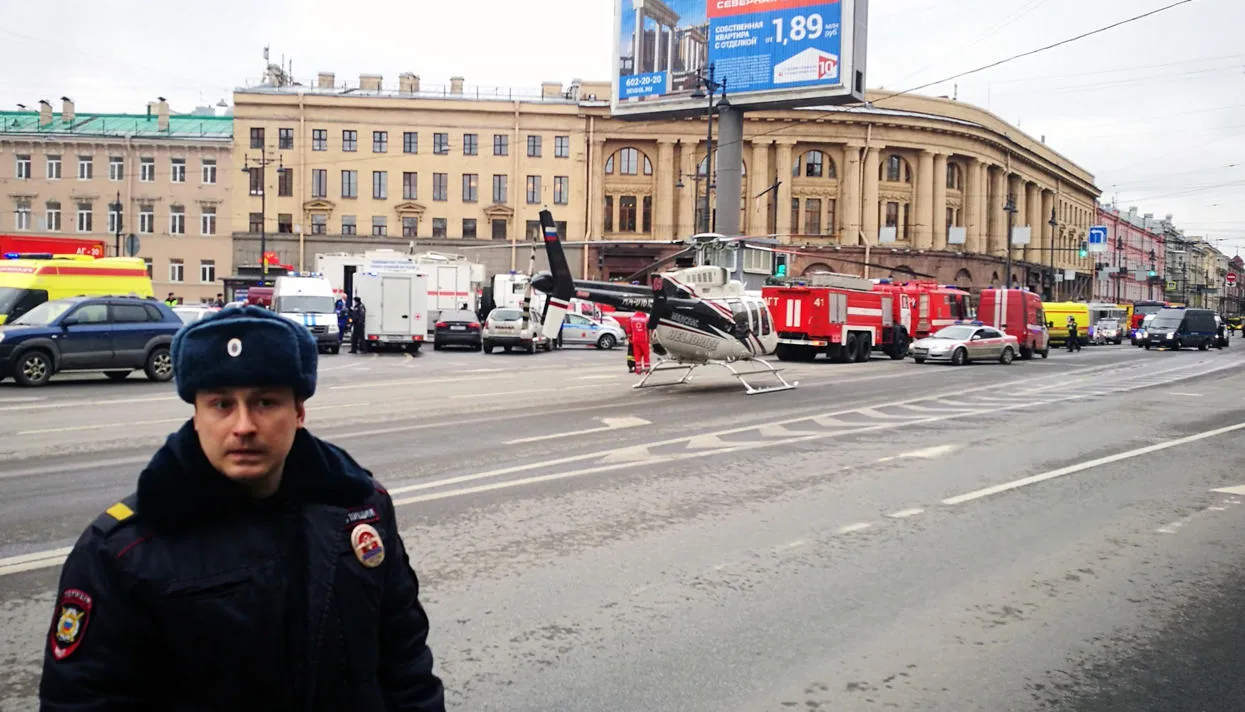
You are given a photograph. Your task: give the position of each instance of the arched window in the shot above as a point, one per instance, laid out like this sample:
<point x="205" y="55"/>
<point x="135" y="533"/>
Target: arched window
<point x="964" y="279"/>
<point x="700" y="170"/>
<point x="813" y="164"/>
<point x="628" y="161"/>
<point x="895" y="170"/>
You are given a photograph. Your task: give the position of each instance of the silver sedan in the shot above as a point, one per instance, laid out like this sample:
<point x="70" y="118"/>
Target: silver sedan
<point x="962" y="343"/>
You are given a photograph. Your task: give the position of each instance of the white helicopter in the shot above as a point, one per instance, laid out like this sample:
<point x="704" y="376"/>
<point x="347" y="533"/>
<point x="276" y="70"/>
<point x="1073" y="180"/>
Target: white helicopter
<point x="698" y="316"/>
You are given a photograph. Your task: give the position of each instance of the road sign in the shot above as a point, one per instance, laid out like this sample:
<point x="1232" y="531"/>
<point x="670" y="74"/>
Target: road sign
<point x="1098" y="238"/>
<point x="132" y="245"/>
<point x="1231" y="278"/>
<point x="770" y="53"/>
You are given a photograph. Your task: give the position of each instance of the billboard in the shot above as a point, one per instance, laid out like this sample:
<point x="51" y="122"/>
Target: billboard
<point x="771" y="53"/>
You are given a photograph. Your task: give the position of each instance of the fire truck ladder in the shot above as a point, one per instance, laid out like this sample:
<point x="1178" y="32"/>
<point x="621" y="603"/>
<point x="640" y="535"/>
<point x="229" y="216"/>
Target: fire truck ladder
<point x="761" y="367"/>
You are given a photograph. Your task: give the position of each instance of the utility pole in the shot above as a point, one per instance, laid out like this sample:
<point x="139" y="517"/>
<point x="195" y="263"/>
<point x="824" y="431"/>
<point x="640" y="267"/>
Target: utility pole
<point x="1053" y="225"/>
<point x="709" y="83"/>
<point x="1010" y="209"/>
<point x="116" y="207"/>
<point x="262" y="163"/>
<point x="1119" y="262"/>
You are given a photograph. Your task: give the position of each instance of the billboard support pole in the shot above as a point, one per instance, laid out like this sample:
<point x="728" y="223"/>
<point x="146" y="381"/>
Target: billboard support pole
<point x="730" y="167"/>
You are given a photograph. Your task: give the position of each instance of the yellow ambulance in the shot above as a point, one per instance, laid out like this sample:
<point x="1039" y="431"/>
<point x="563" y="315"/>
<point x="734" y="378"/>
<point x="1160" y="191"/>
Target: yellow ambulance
<point x="26" y="283"/>
<point x="1057" y="314"/>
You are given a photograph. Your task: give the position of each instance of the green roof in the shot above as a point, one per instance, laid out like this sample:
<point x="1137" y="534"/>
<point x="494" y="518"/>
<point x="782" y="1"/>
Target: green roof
<point x="118" y="125"/>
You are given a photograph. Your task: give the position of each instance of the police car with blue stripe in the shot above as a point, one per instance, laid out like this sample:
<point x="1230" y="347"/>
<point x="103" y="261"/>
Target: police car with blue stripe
<point x="308" y="299"/>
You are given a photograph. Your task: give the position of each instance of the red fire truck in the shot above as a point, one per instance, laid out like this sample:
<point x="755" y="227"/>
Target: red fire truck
<point x="926" y="306"/>
<point x="839" y="315"/>
<point x="39" y="244"/>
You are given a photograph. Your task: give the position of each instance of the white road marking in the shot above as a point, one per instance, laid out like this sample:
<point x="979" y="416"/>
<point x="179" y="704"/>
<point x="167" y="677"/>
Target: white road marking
<point x="61" y="469"/>
<point x="552" y="389"/>
<point x="780" y="431"/>
<point x="905" y="513"/>
<point x="126" y="424"/>
<point x="638" y="453"/>
<point x="598" y="377"/>
<point x="929" y="453"/>
<point x="1236" y="490"/>
<point x="706" y="442"/>
<point x="1081" y="467"/>
<point x="484" y="370"/>
<point x="1182" y="393"/>
<point x="609" y="424"/>
<point x="858" y="527"/>
<point x="89" y="404"/>
<point x="31" y="562"/>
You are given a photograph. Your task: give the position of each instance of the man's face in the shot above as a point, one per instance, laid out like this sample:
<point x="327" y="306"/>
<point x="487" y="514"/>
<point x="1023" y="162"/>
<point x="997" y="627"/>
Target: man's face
<point x="247" y="433"/>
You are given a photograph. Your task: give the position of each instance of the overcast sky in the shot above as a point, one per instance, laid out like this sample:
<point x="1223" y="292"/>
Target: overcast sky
<point x="1154" y="109"/>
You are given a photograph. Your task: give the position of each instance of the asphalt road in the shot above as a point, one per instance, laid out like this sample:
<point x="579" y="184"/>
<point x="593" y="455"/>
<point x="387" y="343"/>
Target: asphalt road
<point x="1040" y="536"/>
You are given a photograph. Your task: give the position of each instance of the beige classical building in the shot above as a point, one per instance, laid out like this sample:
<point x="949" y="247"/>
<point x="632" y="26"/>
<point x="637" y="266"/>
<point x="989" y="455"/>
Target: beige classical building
<point x="61" y="174"/>
<point x="455" y="167"/>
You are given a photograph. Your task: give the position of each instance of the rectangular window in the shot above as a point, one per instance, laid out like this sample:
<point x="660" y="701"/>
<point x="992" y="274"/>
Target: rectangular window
<point x="380" y="142"/>
<point x="471" y="144"/>
<point x="410" y="142"/>
<point x="440" y="186"/>
<point x="950" y="213"/>
<point x="609" y="213"/>
<point x="177" y="220"/>
<point x="256" y="181"/>
<point x="533" y="146"/>
<point x="471" y="187"/>
<point x="257" y="138"/>
<point x="146" y="169"/>
<point x="348" y="225"/>
<point x="53" y="218"/>
<point x="441" y="143"/>
<point x="23" y="167"/>
<point x="410" y="227"/>
<point x="646" y="215"/>
<point x="561" y="190"/>
<point x="812" y="216"/>
<point x="209" y="171"/>
<point x="207" y="221"/>
<point x="500" y="188"/>
<point x="319" y="224"/>
<point x="533" y="190"/>
<point x="255" y="222"/>
<point x="85" y="217"/>
<point x="350" y="140"/>
<point x="147" y="219"/>
<point x="319" y="139"/>
<point x="501" y="145"/>
<point x="438" y="227"/>
<point x="626" y="213"/>
<point x="562" y="146"/>
<point x="114" y="221"/>
<point x="831" y="224"/>
<point x="285" y="182"/>
<point x="892" y="214"/>
<point x="380" y="185"/>
<point x="207" y="271"/>
<point x="285" y="222"/>
<point x="380" y="227"/>
<point x="86" y="168"/>
<point x="22" y="219"/>
<point x="499" y="229"/>
<point x="177" y="268"/>
<point x="177" y="170"/>
<point x="410" y="185"/>
<point x="795" y="215"/>
<point x="116" y="168"/>
<point x="147" y="263"/>
<point x="285" y="139"/>
<point x="350" y="184"/>
<point x="319" y="183"/>
<point x="469" y="228"/>
<point x="54" y="167"/>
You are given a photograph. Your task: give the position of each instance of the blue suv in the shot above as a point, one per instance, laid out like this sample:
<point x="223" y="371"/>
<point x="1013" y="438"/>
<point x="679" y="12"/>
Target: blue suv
<point x="111" y="334"/>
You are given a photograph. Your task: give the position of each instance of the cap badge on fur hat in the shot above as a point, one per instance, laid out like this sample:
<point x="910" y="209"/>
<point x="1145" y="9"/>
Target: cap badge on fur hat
<point x="234" y="348"/>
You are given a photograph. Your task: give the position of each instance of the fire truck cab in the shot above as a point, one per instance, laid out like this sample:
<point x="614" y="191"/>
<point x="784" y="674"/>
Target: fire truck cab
<point x="1019" y="313"/>
<point x="926" y="306"/>
<point x="840" y="315"/>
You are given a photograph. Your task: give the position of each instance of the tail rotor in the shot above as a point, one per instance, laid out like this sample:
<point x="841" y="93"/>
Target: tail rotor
<point x="563" y="282"/>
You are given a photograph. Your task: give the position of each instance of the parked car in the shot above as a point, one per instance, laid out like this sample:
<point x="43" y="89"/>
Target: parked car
<point x="457" y="327"/>
<point x="115" y="335"/>
<point x="962" y="343"/>
<point x="1107" y="331"/>
<point x="580" y="330"/>
<point x="1179" y="327"/>
<point x="505" y="328"/>
<point x="192" y="313"/>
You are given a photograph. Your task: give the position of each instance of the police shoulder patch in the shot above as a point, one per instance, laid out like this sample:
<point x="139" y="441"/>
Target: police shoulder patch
<point x="73" y="614"/>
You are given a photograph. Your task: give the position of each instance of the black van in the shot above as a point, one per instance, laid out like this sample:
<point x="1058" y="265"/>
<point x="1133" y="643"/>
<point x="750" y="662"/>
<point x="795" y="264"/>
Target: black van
<point x="1176" y="328"/>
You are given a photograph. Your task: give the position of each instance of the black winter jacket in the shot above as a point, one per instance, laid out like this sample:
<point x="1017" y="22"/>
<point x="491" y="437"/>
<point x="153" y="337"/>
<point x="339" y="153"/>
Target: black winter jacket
<point x="189" y="595"/>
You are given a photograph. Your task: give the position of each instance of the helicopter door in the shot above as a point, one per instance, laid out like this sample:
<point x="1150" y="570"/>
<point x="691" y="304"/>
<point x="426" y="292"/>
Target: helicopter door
<point x="754" y="318"/>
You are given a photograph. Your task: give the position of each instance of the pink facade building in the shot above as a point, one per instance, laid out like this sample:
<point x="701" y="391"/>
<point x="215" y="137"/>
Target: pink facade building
<point x="1135" y="251"/>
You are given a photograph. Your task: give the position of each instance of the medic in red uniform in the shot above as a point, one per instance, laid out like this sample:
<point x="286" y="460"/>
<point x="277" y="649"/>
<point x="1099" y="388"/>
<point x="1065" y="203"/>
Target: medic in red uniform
<point x="637" y="334"/>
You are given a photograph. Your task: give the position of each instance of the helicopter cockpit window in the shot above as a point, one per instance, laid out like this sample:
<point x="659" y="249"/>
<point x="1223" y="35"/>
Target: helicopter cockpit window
<point x="754" y="317"/>
<point x="740" y="310"/>
<point x="766" y="325"/>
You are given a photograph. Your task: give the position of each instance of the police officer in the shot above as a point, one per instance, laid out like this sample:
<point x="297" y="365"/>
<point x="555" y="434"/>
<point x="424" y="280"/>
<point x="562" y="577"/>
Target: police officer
<point x="358" y="320"/>
<point x="257" y="567"/>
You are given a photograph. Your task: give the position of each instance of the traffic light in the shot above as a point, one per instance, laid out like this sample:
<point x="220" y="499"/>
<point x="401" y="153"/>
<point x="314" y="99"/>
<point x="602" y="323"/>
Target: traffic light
<point x="1152" y="273"/>
<point x="1084" y="252"/>
<point x="780" y="265"/>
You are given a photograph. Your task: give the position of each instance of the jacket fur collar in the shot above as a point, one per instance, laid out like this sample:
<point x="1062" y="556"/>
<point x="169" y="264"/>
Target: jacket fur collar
<point x="179" y="489"/>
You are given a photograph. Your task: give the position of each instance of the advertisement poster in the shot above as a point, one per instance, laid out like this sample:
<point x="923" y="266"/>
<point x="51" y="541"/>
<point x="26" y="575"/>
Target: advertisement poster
<point x="755" y="45"/>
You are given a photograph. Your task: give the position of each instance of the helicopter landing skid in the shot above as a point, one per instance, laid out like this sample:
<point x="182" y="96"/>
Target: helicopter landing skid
<point x="763" y="368"/>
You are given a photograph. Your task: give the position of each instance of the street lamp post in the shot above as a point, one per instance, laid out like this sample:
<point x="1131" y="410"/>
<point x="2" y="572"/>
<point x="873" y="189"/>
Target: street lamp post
<point x="1153" y="273"/>
<point x="1053" y="225"/>
<point x="263" y="162"/>
<point x="708" y="83"/>
<point x="1010" y="209"/>
<point x="116" y="208"/>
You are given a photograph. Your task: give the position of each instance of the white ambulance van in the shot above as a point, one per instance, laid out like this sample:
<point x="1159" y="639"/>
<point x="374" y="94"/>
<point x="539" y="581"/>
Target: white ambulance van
<point x="310" y="301"/>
